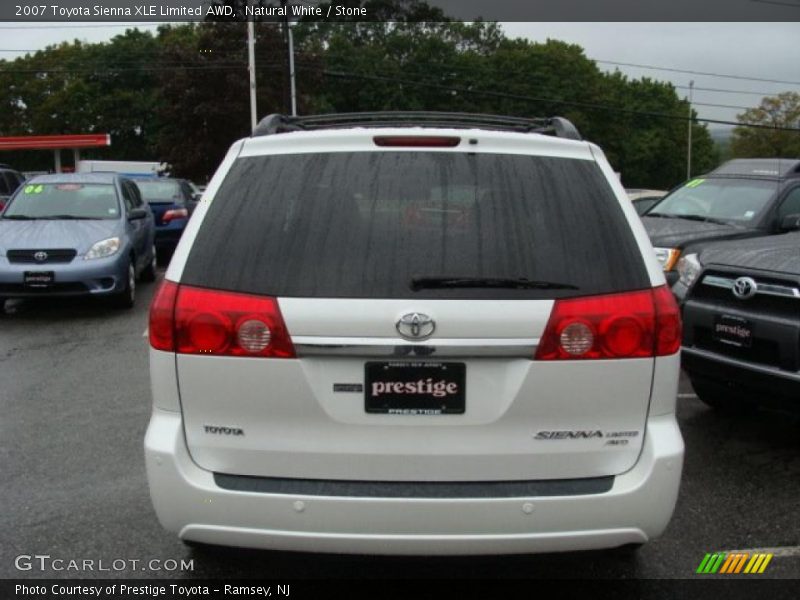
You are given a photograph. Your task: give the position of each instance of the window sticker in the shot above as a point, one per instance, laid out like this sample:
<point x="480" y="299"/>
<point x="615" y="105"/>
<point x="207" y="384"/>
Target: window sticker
<point x="694" y="183"/>
<point x="749" y="214"/>
<point x="34" y="189"/>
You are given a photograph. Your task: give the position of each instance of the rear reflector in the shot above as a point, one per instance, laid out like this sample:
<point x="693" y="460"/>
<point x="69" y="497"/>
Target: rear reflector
<point x="629" y="325"/>
<point x="416" y="141"/>
<point x="192" y="320"/>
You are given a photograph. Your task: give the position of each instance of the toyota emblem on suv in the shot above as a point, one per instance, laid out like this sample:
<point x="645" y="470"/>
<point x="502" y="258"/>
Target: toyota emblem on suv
<point x="40" y="256"/>
<point x="415" y="326"/>
<point x="744" y="288"/>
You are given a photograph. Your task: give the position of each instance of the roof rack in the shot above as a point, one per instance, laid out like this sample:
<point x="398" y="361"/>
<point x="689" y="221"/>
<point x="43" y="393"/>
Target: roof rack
<point x="277" y="123"/>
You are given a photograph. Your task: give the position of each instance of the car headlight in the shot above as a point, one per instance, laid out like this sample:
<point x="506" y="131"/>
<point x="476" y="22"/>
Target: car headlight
<point x="667" y="257"/>
<point x="103" y="249"/>
<point x="689" y="268"/>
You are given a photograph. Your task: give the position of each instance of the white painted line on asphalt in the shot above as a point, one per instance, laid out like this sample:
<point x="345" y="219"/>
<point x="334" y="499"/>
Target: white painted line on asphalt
<point x="687" y="395"/>
<point x="145" y="332"/>
<point x="779" y="551"/>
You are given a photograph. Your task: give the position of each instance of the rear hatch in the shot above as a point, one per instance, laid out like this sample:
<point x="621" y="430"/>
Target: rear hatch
<point x="415" y="287"/>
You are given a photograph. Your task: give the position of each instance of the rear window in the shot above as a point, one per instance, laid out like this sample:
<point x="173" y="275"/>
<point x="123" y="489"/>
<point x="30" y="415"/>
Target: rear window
<point x="364" y="225"/>
<point x="160" y="190"/>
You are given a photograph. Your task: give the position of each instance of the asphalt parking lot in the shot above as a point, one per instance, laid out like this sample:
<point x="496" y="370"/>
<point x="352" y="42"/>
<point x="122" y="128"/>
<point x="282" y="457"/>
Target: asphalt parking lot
<point x="74" y="399"/>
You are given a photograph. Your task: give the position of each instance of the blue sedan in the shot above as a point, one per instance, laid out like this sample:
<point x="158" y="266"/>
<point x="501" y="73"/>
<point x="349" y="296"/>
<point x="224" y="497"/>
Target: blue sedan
<point x="76" y="234"/>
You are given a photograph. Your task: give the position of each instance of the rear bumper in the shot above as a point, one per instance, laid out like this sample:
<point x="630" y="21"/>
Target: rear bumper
<point x="168" y="236"/>
<point x="189" y="502"/>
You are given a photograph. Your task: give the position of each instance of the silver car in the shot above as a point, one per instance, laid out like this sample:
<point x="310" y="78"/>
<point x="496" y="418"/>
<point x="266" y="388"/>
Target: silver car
<point x="76" y="234"/>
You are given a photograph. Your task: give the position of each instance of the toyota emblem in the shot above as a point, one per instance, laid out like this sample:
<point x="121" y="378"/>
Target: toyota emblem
<point x="415" y="326"/>
<point x="40" y="256"/>
<point x="744" y="288"/>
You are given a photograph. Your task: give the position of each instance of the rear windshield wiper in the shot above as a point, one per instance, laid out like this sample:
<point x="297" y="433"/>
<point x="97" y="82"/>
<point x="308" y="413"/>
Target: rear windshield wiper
<point x="21" y="217"/>
<point x="520" y="283"/>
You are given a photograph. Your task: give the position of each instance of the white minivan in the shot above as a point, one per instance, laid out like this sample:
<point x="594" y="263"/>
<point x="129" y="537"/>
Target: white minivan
<point x="414" y="333"/>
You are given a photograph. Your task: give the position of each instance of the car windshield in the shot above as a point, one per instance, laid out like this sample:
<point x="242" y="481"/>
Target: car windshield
<point x="64" y="200"/>
<point x="735" y="200"/>
<point x="160" y="190"/>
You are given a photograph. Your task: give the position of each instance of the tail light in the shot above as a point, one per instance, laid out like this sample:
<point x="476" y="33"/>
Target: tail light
<point x="192" y="320"/>
<point x="628" y="325"/>
<point x="174" y="213"/>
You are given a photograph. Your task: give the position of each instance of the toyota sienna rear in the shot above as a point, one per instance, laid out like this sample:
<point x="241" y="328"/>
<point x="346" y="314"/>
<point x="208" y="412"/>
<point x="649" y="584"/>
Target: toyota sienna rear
<point x="416" y="333"/>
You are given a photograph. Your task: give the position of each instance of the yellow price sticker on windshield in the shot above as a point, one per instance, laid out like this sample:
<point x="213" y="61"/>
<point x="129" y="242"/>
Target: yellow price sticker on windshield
<point x="34" y="189"/>
<point x="694" y="183"/>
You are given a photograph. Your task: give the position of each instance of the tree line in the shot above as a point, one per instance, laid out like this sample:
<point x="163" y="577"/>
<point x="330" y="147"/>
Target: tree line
<point x="181" y="95"/>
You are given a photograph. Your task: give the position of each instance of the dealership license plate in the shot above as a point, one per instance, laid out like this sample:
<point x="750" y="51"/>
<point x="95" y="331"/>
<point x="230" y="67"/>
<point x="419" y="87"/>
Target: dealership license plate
<point x="415" y="388"/>
<point x="39" y="279"/>
<point x="733" y="330"/>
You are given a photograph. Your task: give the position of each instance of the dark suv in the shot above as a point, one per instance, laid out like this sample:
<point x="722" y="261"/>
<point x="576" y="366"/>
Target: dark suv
<point x="10" y="180"/>
<point x="741" y="311"/>
<point x="743" y="198"/>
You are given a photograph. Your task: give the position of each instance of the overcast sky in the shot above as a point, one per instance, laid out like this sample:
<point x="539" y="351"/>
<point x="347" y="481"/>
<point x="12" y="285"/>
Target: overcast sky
<point x="744" y="50"/>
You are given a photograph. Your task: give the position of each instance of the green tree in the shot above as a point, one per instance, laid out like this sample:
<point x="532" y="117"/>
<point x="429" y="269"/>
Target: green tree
<point x="780" y="112"/>
<point x="83" y="88"/>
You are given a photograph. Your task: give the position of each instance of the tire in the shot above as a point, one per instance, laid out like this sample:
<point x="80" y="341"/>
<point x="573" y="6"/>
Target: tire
<point x="149" y="273"/>
<point x="722" y="398"/>
<point x="2" y="306"/>
<point x="127" y="297"/>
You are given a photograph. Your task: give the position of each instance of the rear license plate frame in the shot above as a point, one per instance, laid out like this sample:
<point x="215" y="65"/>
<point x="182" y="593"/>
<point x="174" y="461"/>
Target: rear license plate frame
<point x="436" y="388"/>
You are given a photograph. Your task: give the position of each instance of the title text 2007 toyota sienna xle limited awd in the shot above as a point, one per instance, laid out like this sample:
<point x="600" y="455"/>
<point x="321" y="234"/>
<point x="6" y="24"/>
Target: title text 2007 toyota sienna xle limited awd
<point x="414" y="333"/>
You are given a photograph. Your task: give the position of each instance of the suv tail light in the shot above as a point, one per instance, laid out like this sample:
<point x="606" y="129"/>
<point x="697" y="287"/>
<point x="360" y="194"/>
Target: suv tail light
<point x="192" y="320"/>
<point x="174" y="213"/>
<point x="628" y="325"/>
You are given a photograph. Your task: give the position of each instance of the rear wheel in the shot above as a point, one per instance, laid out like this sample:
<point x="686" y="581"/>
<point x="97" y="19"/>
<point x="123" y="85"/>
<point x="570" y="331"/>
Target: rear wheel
<point x="127" y="297"/>
<point x="149" y="273"/>
<point x="722" y="398"/>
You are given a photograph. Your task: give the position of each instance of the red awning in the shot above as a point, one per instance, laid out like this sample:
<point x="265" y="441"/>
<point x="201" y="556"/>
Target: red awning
<point x="55" y="142"/>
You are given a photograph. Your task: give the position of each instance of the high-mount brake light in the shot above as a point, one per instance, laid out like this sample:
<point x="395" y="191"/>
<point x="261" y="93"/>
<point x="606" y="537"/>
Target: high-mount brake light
<point x="417" y="141"/>
<point x="637" y="324"/>
<point x="190" y="320"/>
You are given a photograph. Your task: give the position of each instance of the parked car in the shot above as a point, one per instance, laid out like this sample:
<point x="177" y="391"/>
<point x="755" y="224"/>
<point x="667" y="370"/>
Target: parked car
<point x="332" y="375"/>
<point x="172" y="202"/>
<point x="741" y="310"/>
<point x="73" y="235"/>
<point x="10" y="180"/>
<point x="644" y="200"/>
<point x="743" y="198"/>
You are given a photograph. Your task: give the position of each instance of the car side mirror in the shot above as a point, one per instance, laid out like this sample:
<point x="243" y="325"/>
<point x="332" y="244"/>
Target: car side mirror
<point x="790" y="222"/>
<point x="196" y="196"/>
<point x="137" y="213"/>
